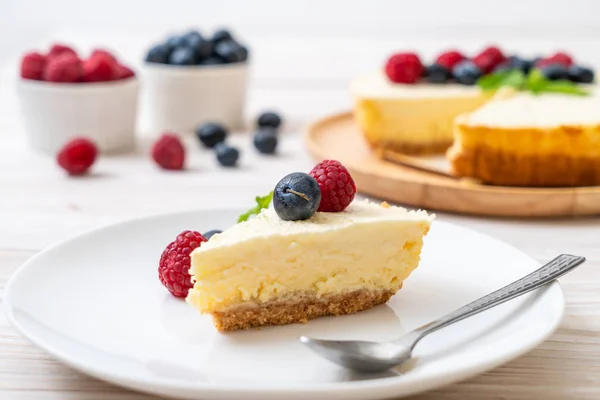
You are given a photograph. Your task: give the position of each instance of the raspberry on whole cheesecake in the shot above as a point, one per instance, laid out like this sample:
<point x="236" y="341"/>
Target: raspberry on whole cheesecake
<point x="168" y="152"/>
<point x="175" y="262"/>
<point x="449" y="59"/>
<point x="65" y="68"/>
<point x="77" y="156"/>
<point x="60" y="49"/>
<point x="100" y="67"/>
<point x="337" y="186"/>
<point x="495" y="53"/>
<point x="404" y="68"/>
<point x="32" y="66"/>
<point x="489" y="59"/>
<point x="561" y="58"/>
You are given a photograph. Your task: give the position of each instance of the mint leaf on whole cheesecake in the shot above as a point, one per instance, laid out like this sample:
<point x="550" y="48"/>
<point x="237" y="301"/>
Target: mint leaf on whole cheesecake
<point x="261" y="202"/>
<point x="534" y="82"/>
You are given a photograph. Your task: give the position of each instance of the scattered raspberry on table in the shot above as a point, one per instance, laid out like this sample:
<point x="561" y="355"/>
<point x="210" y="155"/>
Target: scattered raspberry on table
<point x="175" y="262"/>
<point x="168" y="152"/>
<point x="337" y="186"/>
<point x="77" y="156"/>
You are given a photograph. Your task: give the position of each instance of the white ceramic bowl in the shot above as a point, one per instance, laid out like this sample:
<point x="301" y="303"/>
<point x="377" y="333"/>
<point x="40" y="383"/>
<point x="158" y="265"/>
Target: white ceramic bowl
<point x="179" y="98"/>
<point x="105" y="112"/>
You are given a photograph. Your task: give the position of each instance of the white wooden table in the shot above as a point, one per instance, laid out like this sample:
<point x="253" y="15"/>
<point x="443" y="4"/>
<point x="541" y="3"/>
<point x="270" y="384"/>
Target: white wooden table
<point x="39" y="205"/>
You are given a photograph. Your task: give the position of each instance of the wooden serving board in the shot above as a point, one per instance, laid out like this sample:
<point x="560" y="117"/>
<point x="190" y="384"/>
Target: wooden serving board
<point x="405" y="182"/>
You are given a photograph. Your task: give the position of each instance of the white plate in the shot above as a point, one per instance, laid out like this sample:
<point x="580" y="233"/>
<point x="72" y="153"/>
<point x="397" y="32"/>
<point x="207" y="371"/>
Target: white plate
<point x="95" y="303"/>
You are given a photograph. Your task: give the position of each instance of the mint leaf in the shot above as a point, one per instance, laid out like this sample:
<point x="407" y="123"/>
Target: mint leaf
<point x="536" y="81"/>
<point x="566" y="87"/>
<point x="492" y="81"/>
<point x="261" y="202"/>
<point x="515" y="79"/>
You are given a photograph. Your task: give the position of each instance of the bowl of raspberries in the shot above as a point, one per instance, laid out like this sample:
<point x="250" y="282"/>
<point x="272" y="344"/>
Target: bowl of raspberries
<point x="190" y="78"/>
<point x="63" y="95"/>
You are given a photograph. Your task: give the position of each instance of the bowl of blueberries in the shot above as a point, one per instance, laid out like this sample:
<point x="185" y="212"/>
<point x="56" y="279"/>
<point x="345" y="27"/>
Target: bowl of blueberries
<point x="190" y="79"/>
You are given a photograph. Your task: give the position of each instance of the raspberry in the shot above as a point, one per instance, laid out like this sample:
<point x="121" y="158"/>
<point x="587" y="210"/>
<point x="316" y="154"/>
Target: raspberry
<point x="449" y="59"/>
<point x="561" y="58"/>
<point x="103" y="53"/>
<point x="77" y="156"/>
<point x="60" y="49"/>
<point x="489" y="59"/>
<point x="337" y="186"/>
<point x="124" y="72"/>
<point x="100" y="68"/>
<point x="32" y="66"/>
<point x="174" y="265"/>
<point x="544" y="62"/>
<point x="63" y="68"/>
<point x="168" y="152"/>
<point x="404" y="68"/>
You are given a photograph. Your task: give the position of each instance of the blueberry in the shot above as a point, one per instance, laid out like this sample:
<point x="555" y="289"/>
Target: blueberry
<point x="268" y="119"/>
<point x="265" y="140"/>
<point x="182" y="56"/>
<point x="175" y="41"/>
<point x="437" y="73"/>
<point x="555" y="72"/>
<point x="580" y="74"/>
<point x="466" y="72"/>
<point x="210" y="134"/>
<point x="226" y="155"/>
<point x="209" y="234"/>
<point x="220" y="35"/>
<point x="297" y="197"/>
<point x="158" y="54"/>
<point x="504" y="67"/>
<point x="211" y="61"/>
<point x="517" y="62"/>
<point x="243" y="53"/>
<point x="228" y="51"/>
<point x="202" y="47"/>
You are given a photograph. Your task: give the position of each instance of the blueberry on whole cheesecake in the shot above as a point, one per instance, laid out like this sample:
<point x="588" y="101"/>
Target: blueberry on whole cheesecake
<point x="158" y="54"/>
<point x="265" y="140"/>
<point x="226" y="155"/>
<point x="504" y="67"/>
<point x="580" y="74"/>
<point x="296" y="197"/>
<point x="555" y="72"/>
<point x="522" y="64"/>
<point x="220" y="35"/>
<point x="211" y="133"/>
<point x="182" y="56"/>
<point x="466" y="72"/>
<point x="268" y="119"/>
<point x="209" y="234"/>
<point x="228" y="51"/>
<point x="436" y="73"/>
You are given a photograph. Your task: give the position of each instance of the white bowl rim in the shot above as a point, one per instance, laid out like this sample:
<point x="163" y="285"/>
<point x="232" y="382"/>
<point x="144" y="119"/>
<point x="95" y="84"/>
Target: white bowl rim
<point x="76" y="87"/>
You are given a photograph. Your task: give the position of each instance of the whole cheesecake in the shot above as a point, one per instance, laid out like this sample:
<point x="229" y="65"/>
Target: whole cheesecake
<point x="410" y="118"/>
<point x="525" y="139"/>
<point x="267" y="271"/>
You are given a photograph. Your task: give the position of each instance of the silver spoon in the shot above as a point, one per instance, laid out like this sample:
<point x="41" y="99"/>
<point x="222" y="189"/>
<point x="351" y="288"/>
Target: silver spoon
<point x="366" y="356"/>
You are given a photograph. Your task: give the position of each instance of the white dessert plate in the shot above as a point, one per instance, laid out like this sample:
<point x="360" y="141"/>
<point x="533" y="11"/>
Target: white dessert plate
<point x="95" y="303"/>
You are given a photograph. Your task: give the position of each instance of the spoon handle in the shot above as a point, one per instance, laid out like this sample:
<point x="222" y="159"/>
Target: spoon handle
<point x="545" y="274"/>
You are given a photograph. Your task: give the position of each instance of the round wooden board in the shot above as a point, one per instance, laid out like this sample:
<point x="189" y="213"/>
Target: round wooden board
<point x="338" y="137"/>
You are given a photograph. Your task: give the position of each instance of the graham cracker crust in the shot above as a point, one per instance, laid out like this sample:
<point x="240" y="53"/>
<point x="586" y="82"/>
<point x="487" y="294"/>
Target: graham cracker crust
<point x="297" y="309"/>
<point x="534" y="170"/>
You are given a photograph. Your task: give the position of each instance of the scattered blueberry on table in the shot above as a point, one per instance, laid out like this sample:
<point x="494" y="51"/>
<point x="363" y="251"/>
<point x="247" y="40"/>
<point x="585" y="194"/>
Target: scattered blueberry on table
<point x="269" y="119"/>
<point x="265" y="140"/>
<point x="210" y="134"/>
<point x="226" y="155"/>
<point x="192" y="48"/>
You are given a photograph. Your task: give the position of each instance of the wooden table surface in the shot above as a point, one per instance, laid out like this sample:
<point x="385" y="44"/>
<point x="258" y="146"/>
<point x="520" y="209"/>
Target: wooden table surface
<point x="39" y="205"/>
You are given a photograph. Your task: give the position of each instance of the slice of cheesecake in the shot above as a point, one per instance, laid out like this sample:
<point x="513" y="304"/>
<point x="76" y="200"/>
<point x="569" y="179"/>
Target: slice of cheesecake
<point x="267" y="271"/>
<point x="410" y="119"/>
<point x="523" y="139"/>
